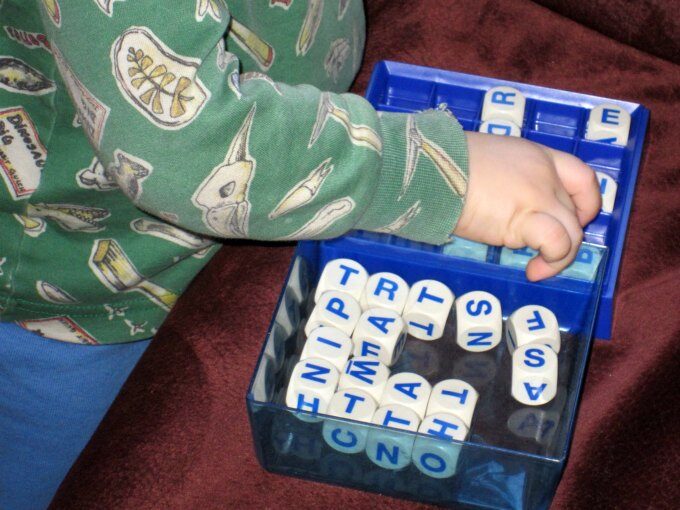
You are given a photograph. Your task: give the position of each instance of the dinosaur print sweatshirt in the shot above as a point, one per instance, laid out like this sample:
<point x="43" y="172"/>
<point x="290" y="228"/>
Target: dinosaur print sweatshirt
<point x="135" y="134"/>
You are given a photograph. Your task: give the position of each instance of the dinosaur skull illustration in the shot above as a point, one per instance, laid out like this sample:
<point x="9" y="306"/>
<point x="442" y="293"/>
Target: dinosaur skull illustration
<point x="223" y="195"/>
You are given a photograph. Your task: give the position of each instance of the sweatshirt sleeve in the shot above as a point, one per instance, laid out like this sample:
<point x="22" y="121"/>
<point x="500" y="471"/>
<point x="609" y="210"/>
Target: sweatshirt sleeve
<point x="192" y="140"/>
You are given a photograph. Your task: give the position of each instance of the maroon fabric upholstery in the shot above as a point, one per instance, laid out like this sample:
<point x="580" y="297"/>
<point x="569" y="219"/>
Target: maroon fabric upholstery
<point x="649" y="25"/>
<point x="178" y="435"/>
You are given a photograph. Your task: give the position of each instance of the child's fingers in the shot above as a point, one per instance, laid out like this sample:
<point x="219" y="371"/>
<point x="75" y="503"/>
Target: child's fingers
<point x="545" y="233"/>
<point x="565" y="200"/>
<point x="538" y="269"/>
<point x="573" y="228"/>
<point x="580" y="182"/>
<point x="557" y="237"/>
<point x="570" y="221"/>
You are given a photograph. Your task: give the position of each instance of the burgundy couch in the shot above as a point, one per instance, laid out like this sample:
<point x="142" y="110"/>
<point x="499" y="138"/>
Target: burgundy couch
<point x="178" y="435"/>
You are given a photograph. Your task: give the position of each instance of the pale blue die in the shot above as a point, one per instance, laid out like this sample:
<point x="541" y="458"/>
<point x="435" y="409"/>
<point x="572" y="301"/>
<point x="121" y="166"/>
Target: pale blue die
<point x="584" y="267"/>
<point x="459" y="247"/>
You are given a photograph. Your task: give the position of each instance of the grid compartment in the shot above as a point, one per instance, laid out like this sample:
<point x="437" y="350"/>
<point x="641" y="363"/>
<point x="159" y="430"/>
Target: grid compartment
<point x="463" y="102"/>
<point x="558" y="142"/>
<point x="409" y="93"/>
<point x="601" y="154"/>
<point x="558" y="119"/>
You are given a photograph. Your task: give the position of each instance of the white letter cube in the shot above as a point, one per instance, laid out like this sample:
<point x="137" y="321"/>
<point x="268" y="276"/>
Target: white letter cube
<point x="392" y="450"/>
<point x="408" y="390"/>
<point x="355" y="405"/>
<point x="312" y="385"/>
<point x="608" y="188"/>
<point x="534" y="374"/>
<point x="608" y="123"/>
<point x="533" y="324"/>
<point x="330" y="344"/>
<point x="335" y="309"/>
<point x="435" y="457"/>
<point x="365" y="373"/>
<point x="505" y="103"/>
<point x="479" y="321"/>
<point x="500" y="127"/>
<point x="380" y="333"/>
<point x="453" y="396"/>
<point x="343" y="275"/>
<point x="427" y="309"/>
<point x="385" y="290"/>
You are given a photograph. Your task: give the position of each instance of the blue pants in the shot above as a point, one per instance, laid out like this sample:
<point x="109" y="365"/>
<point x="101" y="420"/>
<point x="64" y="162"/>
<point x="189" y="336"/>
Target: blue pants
<point x="52" y="397"/>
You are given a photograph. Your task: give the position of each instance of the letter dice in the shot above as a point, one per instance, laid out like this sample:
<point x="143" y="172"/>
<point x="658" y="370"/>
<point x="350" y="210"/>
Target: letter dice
<point x="434" y="457"/>
<point x="500" y="127"/>
<point x="343" y="275"/>
<point x="408" y="390"/>
<point x="504" y="103"/>
<point x="608" y="191"/>
<point x="380" y="333"/>
<point x="534" y="374"/>
<point x="312" y="385"/>
<point x="335" y="309"/>
<point x="453" y="396"/>
<point x="427" y="309"/>
<point x="365" y="373"/>
<point x="585" y="264"/>
<point x="459" y="247"/>
<point x="392" y="450"/>
<point x="330" y="344"/>
<point x="385" y="290"/>
<point x="355" y="405"/>
<point x="480" y="321"/>
<point x="533" y="324"/>
<point x="608" y="123"/>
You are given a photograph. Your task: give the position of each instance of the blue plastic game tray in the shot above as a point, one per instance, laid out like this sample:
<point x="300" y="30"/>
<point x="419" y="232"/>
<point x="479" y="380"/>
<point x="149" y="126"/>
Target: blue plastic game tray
<point x="555" y="118"/>
<point x="514" y="455"/>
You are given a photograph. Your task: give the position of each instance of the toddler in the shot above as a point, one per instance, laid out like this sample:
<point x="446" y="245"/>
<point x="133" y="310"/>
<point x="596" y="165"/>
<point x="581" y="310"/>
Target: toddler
<point x="134" y="136"/>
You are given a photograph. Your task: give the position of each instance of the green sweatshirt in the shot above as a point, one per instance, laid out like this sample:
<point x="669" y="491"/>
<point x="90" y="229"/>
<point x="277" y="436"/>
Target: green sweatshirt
<point x="134" y="136"/>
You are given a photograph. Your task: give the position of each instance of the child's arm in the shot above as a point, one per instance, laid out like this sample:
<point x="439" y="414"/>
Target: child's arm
<point x="190" y="142"/>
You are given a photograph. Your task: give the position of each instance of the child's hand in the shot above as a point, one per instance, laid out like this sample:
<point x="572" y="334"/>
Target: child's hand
<point x="524" y="194"/>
